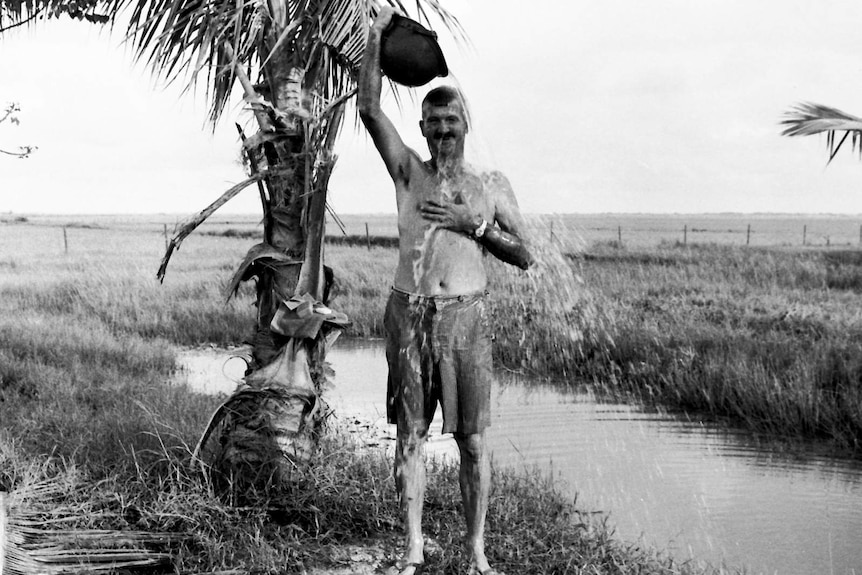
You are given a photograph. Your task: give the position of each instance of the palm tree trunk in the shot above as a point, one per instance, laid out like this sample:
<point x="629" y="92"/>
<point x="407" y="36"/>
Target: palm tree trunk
<point x="269" y="427"/>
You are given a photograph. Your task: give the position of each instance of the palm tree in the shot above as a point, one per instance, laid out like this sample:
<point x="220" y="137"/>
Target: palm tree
<point x="806" y="119"/>
<point x="297" y="64"/>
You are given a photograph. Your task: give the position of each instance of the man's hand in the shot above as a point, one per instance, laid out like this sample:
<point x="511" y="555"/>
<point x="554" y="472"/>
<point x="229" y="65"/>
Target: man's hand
<point x="451" y="216"/>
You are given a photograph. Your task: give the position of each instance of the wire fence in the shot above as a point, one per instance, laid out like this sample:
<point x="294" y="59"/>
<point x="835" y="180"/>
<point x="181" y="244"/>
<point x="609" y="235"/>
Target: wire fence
<point x="381" y="230"/>
<point x="838" y="231"/>
<point x="651" y="230"/>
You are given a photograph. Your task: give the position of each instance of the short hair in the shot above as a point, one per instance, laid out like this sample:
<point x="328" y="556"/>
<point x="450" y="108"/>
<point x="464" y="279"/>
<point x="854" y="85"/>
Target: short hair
<point x="444" y="95"/>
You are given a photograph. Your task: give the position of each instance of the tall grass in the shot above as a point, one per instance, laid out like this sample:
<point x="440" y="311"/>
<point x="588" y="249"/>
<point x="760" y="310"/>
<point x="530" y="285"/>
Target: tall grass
<point x="761" y="336"/>
<point x="79" y="392"/>
<point x="770" y="338"/>
<point x="346" y="499"/>
<point x="87" y="344"/>
<point x="87" y="336"/>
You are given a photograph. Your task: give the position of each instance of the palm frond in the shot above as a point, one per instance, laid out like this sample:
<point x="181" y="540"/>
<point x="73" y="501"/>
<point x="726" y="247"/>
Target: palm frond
<point x="15" y="13"/>
<point x="183" y="39"/>
<point x="42" y="531"/>
<point x="806" y="119"/>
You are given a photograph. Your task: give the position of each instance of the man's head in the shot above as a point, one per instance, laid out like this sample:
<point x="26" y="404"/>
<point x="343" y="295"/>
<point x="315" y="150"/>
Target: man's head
<point x="445" y="123"/>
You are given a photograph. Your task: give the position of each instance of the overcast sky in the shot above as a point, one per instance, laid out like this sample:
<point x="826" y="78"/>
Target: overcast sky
<point x="588" y="106"/>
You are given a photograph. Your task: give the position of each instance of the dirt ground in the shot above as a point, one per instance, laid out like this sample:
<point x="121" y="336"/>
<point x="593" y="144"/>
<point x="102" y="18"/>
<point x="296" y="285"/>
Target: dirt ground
<point x="368" y="559"/>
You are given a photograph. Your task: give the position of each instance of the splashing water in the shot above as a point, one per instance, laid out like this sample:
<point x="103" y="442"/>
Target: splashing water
<point x="558" y="322"/>
<point x="421" y="261"/>
<point x="423" y="257"/>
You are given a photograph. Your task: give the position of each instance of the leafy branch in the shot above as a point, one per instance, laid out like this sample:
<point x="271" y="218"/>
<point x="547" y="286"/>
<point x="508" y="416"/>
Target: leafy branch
<point x="9" y="115"/>
<point x="19" y="13"/>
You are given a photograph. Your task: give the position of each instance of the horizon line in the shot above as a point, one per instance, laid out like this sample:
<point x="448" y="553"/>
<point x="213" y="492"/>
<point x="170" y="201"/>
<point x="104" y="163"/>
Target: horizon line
<point x="350" y="214"/>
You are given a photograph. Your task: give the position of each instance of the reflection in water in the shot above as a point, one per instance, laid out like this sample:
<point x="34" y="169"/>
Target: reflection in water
<point x="699" y="491"/>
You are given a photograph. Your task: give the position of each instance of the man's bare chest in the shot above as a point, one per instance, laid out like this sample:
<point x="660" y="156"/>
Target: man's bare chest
<point x="466" y="189"/>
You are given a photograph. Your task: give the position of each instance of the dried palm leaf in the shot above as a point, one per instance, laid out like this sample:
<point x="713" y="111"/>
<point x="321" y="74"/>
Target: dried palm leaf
<point x="38" y="535"/>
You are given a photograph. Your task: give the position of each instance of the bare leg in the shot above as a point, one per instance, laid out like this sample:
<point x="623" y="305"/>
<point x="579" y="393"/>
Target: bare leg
<point x="475" y="479"/>
<point x="410" y="483"/>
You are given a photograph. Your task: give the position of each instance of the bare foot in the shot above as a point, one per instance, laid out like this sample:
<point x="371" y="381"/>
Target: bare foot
<point x="475" y="570"/>
<point x="478" y="562"/>
<point x="404" y="567"/>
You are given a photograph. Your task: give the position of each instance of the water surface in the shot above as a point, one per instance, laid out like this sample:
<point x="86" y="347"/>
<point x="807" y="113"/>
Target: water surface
<point x="700" y="491"/>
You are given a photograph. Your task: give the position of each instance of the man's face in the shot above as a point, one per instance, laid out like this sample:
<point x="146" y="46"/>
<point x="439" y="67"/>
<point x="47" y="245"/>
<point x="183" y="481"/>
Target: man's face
<point x="444" y="128"/>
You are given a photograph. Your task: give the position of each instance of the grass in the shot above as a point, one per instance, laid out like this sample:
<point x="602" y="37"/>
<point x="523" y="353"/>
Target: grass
<point x="346" y="498"/>
<point x="770" y="338"/>
<point x="87" y="342"/>
<point x="767" y="337"/>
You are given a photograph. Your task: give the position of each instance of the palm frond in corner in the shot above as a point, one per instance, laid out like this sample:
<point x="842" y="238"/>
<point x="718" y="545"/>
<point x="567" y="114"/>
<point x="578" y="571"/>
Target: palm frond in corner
<point x="39" y="534"/>
<point x="806" y="119"/>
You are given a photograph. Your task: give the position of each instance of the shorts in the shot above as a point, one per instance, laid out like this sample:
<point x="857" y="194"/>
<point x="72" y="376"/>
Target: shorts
<point x="438" y="350"/>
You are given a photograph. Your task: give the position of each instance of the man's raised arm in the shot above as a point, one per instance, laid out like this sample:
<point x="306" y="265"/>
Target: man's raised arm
<point x="386" y="138"/>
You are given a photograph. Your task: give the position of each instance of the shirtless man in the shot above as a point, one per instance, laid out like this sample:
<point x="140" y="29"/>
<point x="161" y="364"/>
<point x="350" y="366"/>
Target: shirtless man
<point x="438" y="342"/>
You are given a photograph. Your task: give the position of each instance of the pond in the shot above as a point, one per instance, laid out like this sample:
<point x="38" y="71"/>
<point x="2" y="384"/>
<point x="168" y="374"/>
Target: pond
<point x="700" y="491"/>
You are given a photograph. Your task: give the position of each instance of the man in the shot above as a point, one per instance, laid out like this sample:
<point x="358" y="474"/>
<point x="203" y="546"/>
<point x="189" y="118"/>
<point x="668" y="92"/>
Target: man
<point x="438" y="343"/>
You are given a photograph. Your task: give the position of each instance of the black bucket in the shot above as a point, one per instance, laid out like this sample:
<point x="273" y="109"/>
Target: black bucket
<point x="409" y="53"/>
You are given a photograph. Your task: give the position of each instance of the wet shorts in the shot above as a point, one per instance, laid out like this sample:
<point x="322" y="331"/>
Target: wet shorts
<point x="438" y="350"/>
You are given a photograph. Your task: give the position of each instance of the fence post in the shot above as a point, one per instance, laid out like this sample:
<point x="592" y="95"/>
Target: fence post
<point x="65" y="241"/>
<point x="685" y="234"/>
<point x="620" y="234"/>
<point x="748" y="235"/>
<point x="367" y="237"/>
<point x="804" y="233"/>
<point x="165" y="231"/>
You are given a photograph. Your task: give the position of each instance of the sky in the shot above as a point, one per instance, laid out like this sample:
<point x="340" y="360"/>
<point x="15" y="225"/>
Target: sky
<point x="588" y="106"/>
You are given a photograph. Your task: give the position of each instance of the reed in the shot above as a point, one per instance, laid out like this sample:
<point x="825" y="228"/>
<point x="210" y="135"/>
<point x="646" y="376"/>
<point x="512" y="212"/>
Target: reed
<point x="761" y="336"/>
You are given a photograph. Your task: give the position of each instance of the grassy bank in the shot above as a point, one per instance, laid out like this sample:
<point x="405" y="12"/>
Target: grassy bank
<point x="86" y="355"/>
<point x="346" y="500"/>
<point x="771" y="338"/>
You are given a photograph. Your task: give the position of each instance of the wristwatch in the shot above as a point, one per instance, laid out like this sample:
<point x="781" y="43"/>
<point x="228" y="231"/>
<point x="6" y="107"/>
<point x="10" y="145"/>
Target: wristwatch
<point x="480" y="231"/>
